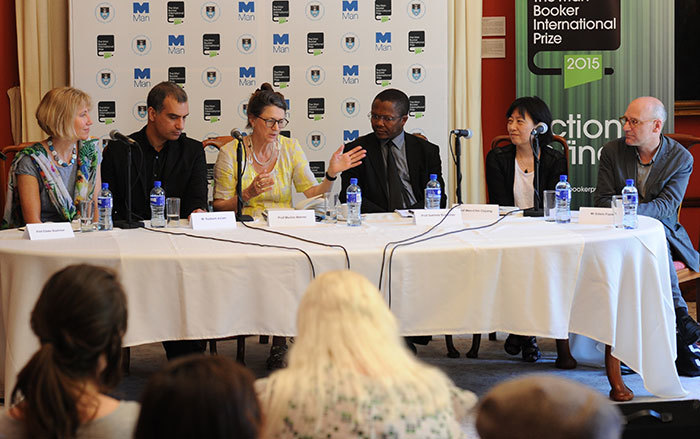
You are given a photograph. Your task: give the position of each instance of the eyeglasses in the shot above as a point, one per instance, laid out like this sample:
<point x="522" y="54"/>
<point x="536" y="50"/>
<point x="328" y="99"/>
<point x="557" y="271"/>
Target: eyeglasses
<point x="281" y="123"/>
<point x="383" y="118"/>
<point x="634" y="123"/>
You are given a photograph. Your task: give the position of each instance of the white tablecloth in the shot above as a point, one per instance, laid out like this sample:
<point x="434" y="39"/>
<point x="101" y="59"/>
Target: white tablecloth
<point x="522" y="275"/>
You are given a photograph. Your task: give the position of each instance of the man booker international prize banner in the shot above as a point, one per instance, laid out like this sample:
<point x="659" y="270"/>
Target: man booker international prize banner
<point x="329" y="58"/>
<point x="588" y="60"/>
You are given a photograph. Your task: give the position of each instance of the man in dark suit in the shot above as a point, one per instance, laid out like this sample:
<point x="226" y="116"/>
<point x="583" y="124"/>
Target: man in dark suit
<point x="398" y="164"/>
<point x="163" y="154"/>
<point x="661" y="168"/>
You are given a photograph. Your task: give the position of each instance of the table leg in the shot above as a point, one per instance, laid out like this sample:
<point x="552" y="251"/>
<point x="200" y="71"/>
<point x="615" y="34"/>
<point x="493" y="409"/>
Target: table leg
<point x="476" y="342"/>
<point x="452" y="352"/>
<point x="619" y="391"/>
<point x="564" y="358"/>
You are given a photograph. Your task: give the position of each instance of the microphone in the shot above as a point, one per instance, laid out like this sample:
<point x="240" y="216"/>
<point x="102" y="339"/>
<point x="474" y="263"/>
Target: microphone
<point x="116" y="135"/>
<point x="237" y="135"/>
<point x="540" y="128"/>
<point x="462" y="133"/>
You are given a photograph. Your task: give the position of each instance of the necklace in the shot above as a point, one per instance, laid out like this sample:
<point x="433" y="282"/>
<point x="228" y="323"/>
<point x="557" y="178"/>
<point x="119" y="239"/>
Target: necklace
<point x="55" y="155"/>
<point x="257" y="160"/>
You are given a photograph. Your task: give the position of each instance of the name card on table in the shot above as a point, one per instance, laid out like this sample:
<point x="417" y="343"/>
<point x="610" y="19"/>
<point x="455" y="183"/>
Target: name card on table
<point x="430" y="217"/>
<point x="290" y="218"/>
<point x="213" y="220"/>
<point x="49" y="231"/>
<point x="595" y="215"/>
<point x="479" y="212"/>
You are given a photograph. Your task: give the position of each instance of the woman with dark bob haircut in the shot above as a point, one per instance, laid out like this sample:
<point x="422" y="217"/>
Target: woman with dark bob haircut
<point x="209" y="397"/>
<point x="510" y="176"/>
<point x="80" y="319"/>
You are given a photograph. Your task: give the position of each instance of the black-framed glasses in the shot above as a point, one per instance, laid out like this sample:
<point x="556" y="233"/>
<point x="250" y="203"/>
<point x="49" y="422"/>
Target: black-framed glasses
<point x="383" y="118"/>
<point x="633" y="122"/>
<point x="281" y="123"/>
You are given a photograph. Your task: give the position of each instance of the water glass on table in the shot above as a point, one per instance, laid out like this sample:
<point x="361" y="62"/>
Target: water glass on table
<point x="618" y="210"/>
<point x="87" y="210"/>
<point x="550" y="204"/>
<point x="172" y="211"/>
<point x="330" y="203"/>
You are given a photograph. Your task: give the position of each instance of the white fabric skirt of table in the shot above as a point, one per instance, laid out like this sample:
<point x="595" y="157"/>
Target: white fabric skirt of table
<point x="522" y="275"/>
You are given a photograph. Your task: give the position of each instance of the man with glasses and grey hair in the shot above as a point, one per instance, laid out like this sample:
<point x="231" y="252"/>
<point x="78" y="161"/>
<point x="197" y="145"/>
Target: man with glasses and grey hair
<point x="660" y="167"/>
<point x="398" y="164"/>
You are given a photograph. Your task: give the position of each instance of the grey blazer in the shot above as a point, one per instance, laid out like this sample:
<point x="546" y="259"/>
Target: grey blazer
<point x="665" y="188"/>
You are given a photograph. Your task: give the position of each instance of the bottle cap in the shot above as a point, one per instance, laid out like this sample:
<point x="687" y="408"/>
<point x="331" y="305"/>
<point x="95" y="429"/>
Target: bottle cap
<point x="629" y="182"/>
<point x="562" y="178"/>
<point x="105" y="186"/>
<point x="353" y="181"/>
<point x="433" y="176"/>
<point x="156" y="183"/>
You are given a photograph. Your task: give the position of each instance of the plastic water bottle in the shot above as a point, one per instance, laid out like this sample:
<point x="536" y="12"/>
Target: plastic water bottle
<point x="354" y="198"/>
<point x="629" y="205"/>
<point x="433" y="193"/>
<point x="563" y="200"/>
<point x="104" y="206"/>
<point x="157" y="205"/>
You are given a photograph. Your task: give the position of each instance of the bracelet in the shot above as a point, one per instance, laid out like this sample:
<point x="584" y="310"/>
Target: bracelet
<point x="329" y="178"/>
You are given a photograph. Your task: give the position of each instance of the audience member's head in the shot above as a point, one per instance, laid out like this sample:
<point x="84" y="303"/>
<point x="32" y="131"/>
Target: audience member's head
<point x="200" y="396"/>
<point x="58" y="109"/>
<point x="80" y="319"/>
<point x="546" y="407"/>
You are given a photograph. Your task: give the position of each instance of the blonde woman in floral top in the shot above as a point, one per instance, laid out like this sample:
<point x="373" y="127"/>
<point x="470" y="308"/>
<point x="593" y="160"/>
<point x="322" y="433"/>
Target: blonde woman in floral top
<point x="351" y="376"/>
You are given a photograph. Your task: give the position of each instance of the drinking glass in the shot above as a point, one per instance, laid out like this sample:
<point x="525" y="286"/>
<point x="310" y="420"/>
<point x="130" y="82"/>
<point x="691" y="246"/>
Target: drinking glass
<point x="550" y="200"/>
<point x="86" y="213"/>
<point x="618" y="210"/>
<point x="330" y="202"/>
<point x="172" y="211"/>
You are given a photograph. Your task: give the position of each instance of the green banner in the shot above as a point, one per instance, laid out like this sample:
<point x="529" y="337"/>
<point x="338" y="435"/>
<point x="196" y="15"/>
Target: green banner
<point x="588" y="60"/>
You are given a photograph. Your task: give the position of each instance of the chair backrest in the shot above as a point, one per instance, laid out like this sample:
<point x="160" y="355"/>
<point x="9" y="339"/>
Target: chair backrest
<point x="9" y="152"/>
<point x="217" y="142"/>
<point x="504" y="140"/>
<point x="688" y="212"/>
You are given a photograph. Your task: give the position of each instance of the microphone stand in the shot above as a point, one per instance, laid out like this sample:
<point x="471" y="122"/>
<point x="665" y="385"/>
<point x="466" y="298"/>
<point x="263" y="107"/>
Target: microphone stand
<point x="129" y="224"/>
<point x="239" y="192"/>
<point x="458" y="176"/>
<point x="535" y="211"/>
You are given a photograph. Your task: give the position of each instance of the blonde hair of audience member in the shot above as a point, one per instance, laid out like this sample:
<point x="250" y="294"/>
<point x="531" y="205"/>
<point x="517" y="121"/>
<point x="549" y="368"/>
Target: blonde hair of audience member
<point x="546" y="407"/>
<point x="347" y="338"/>
<point x="80" y="319"/>
<point x="57" y="110"/>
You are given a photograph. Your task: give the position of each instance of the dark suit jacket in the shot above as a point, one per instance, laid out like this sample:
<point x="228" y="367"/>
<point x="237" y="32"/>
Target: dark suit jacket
<point x="423" y="159"/>
<point x="500" y="173"/>
<point x="184" y="176"/>
<point x="665" y="188"/>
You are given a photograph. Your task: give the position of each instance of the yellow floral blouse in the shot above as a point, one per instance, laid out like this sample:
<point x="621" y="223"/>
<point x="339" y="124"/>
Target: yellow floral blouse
<point x="291" y="167"/>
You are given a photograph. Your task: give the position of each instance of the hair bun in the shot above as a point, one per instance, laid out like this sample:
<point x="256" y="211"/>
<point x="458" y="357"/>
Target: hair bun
<point x="266" y="86"/>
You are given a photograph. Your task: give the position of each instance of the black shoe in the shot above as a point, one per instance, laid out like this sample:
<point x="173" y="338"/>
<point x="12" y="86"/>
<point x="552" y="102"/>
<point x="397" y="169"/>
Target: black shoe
<point x="531" y="352"/>
<point x="410" y="345"/>
<point x="513" y="344"/>
<point x="277" y="358"/>
<point x="688" y="329"/>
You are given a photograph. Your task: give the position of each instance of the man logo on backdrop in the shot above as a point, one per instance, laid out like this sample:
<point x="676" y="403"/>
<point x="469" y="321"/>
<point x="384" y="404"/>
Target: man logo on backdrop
<point x="246" y="77"/>
<point x="280" y="43"/>
<point x="246" y="11"/>
<point x="315" y="75"/>
<point x="350" y="42"/>
<point x="315" y="140"/>
<point x="211" y="44"/>
<point x="350" y="107"/>
<point x="106" y="78"/>
<point x="104" y="12"/>
<point x="416" y="73"/>
<point x="246" y="44"/>
<point x="106" y="112"/>
<point x="211" y="11"/>
<point x="314" y="43"/>
<point x="416" y="41"/>
<point x="316" y="108"/>
<point x="382" y="10"/>
<point x="350" y="135"/>
<point x="416" y="9"/>
<point x="315" y="10"/>
<point x="140" y="111"/>
<point x="281" y="76"/>
<point x="141" y="12"/>
<point x="382" y="74"/>
<point x="105" y="46"/>
<point x="350" y="10"/>
<point x="212" y="110"/>
<point x="416" y="106"/>
<point x="142" y="77"/>
<point x="211" y="77"/>
<point x="177" y="75"/>
<point x="351" y="74"/>
<point x="176" y="12"/>
<point x="280" y="11"/>
<point x="382" y="41"/>
<point x="176" y="44"/>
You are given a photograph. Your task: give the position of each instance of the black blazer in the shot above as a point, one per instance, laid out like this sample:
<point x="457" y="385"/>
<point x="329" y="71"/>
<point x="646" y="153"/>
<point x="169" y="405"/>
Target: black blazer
<point x="423" y="159"/>
<point x="184" y="176"/>
<point x="500" y="173"/>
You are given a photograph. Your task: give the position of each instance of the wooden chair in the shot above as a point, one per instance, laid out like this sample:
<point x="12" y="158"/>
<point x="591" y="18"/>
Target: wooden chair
<point x="217" y="142"/>
<point x="504" y="140"/>
<point x="9" y="152"/>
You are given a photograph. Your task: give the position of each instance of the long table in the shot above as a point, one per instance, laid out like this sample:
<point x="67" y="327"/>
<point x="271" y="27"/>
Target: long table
<point x="522" y="275"/>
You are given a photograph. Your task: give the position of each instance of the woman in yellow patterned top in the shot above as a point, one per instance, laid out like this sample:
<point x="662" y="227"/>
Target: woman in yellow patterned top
<point x="274" y="163"/>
